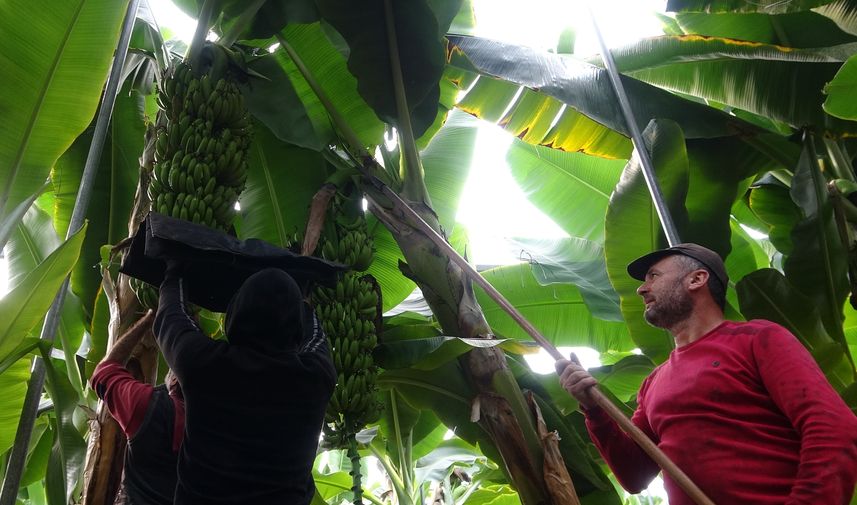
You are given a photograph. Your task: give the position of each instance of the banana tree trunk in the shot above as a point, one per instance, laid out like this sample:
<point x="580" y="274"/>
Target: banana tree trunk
<point x="106" y="450"/>
<point x="499" y="407"/>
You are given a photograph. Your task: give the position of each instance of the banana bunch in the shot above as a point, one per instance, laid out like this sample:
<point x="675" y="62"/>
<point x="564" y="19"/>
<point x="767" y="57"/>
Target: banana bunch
<point x="201" y="152"/>
<point x="204" y="134"/>
<point x="350" y="314"/>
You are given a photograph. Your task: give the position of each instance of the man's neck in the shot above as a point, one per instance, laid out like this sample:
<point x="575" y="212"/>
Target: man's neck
<point x="695" y="327"/>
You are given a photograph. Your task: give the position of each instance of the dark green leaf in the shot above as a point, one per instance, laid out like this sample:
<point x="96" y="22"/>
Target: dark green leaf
<point x="818" y="263"/>
<point x="271" y="17"/>
<point x="843" y="13"/>
<point x="769" y="6"/>
<point x="766" y="294"/>
<point x="53" y="68"/>
<point x="274" y="102"/>
<point x="624" y="378"/>
<point x="773" y="205"/>
<point x="40" y="451"/>
<point x="742" y="74"/>
<point x="69" y="450"/>
<point x="363" y="25"/>
<point x="798" y="29"/>
<point x="280" y="185"/>
<point x="395" y="287"/>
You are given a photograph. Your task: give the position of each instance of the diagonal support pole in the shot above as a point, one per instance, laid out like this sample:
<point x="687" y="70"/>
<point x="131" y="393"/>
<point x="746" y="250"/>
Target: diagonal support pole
<point x="29" y="412"/>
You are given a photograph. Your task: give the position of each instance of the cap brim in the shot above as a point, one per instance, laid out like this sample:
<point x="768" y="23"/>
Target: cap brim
<point x="640" y="266"/>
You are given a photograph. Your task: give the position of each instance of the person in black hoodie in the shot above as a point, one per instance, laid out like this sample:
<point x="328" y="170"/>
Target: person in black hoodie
<point x="255" y="405"/>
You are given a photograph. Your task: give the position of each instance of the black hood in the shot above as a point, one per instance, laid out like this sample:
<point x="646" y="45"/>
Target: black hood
<point x="267" y="312"/>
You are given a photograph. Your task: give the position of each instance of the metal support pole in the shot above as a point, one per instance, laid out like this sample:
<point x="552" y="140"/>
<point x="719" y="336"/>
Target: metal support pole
<point x="637" y="138"/>
<point x="15" y="470"/>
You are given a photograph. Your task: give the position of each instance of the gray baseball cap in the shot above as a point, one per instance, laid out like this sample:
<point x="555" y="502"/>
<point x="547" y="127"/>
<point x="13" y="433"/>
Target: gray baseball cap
<point x="710" y="259"/>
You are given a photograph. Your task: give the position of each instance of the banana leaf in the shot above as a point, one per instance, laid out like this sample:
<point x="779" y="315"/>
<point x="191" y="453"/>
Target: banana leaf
<point x="585" y="88"/>
<point x="33" y="241"/>
<point x="53" y="68"/>
<point x="363" y="24"/>
<point x="841" y="90"/>
<point x="574" y="261"/>
<point x="803" y="29"/>
<point x="741" y="74"/>
<point x="556" y="310"/>
<point x="769" y="6"/>
<point x="11" y="221"/>
<point x="818" y="264"/>
<point x="773" y="206"/>
<point x="112" y="191"/>
<point x="767" y="294"/>
<point x="633" y="227"/>
<point x="13" y="388"/>
<point x="281" y="182"/>
<point x="573" y="189"/>
<point x="328" y="67"/>
<point x="274" y="101"/>
<point x="430" y="353"/>
<point x="66" y="462"/>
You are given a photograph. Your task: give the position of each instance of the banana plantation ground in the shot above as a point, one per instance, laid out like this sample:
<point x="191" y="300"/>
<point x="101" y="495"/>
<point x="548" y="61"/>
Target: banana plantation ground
<point x="748" y="111"/>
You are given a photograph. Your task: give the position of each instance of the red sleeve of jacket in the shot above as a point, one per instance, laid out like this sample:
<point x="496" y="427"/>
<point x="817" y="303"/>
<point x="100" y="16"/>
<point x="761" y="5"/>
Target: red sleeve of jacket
<point x="633" y="468"/>
<point x="125" y="397"/>
<point x="827" y="427"/>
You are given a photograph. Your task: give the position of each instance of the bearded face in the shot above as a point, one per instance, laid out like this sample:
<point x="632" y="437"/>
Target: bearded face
<point x="671" y="306"/>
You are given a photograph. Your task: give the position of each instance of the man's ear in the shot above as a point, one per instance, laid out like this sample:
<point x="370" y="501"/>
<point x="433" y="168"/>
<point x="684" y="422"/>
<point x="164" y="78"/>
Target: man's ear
<point x="698" y="279"/>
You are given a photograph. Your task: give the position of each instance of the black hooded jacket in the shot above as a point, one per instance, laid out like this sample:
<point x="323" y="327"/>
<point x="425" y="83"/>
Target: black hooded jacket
<point x="254" y="406"/>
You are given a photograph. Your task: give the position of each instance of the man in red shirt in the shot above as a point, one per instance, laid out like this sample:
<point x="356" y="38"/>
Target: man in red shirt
<point x="151" y="417"/>
<point x="741" y="407"/>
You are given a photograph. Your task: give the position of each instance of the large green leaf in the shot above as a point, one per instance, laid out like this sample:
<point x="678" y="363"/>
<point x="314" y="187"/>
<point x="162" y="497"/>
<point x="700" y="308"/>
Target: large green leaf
<point x="13" y="388"/>
<point x="818" y="264"/>
<point x="573" y="189"/>
<point x="53" y="68"/>
<point x="557" y="311"/>
<point x="280" y="185"/>
<point x="541" y="119"/>
<point x="767" y="294"/>
<point x="65" y="465"/>
<point x="769" y="6"/>
<point x="446" y="162"/>
<point x="798" y="29"/>
<point x="623" y="379"/>
<point x="25" y="305"/>
<point x="436" y="465"/>
<point x="10" y="222"/>
<point x="446" y="392"/>
<point x="841" y="90"/>
<point x="274" y="101"/>
<point x="741" y="74"/>
<point x="112" y="192"/>
<point x="271" y="17"/>
<point x="574" y="261"/>
<point x="363" y="24"/>
<point x="328" y="68"/>
<point x="633" y="227"/>
<point x="34" y="240"/>
<point x="586" y="89"/>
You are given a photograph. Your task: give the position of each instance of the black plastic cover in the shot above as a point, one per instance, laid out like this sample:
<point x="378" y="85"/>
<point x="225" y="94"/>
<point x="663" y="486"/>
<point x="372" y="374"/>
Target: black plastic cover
<point x="215" y="264"/>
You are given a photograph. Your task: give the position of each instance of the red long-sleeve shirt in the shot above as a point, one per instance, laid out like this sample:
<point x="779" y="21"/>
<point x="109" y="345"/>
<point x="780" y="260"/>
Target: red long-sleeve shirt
<point x="747" y="414"/>
<point x="127" y="399"/>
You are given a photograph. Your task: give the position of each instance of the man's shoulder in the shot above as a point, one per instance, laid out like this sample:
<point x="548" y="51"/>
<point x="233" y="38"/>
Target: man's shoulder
<point x="751" y="328"/>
